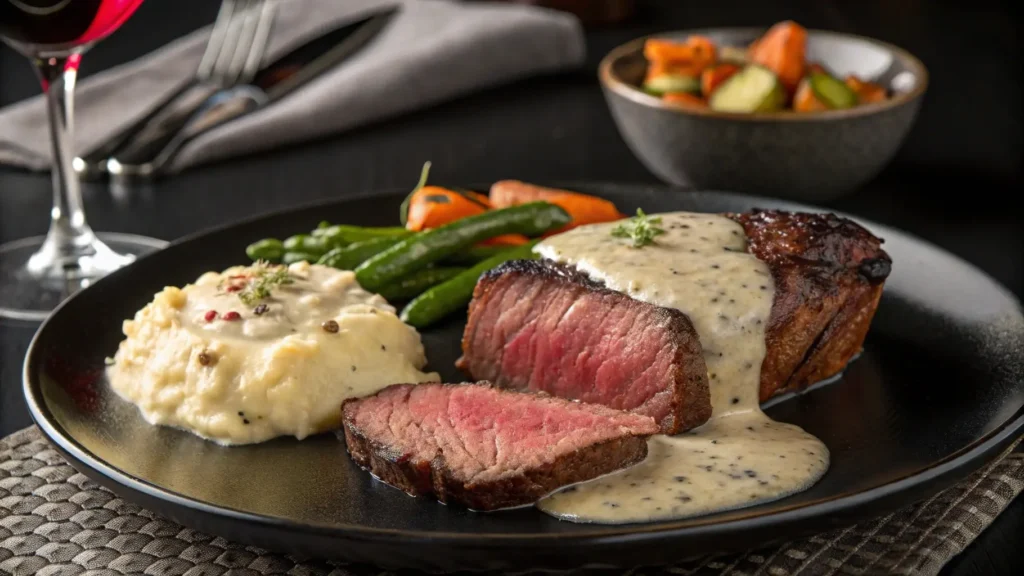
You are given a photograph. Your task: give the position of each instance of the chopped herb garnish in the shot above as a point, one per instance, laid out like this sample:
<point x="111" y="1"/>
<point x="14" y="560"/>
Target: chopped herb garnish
<point x="263" y="281"/>
<point x="640" y="229"/>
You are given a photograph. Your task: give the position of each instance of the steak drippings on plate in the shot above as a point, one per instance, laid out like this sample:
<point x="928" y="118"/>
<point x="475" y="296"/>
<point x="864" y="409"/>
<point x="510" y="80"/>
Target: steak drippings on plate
<point x="545" y="326"/>
<point x="487" y="448"/>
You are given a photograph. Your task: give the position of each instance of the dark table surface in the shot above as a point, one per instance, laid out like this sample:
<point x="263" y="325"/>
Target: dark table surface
<point x="952" y="183"/>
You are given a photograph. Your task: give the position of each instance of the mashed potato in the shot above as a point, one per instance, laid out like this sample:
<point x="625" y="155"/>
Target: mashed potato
<point x="258" y="352"/>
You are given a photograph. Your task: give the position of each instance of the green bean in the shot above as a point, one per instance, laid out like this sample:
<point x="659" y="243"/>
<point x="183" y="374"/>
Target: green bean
<point x="269" y="249"/>
<point x="316" y="245"/>
<point x="443" y="299"/>
<point x="416" y="252"/>
<point x="291" y="257"/>
<point x="416" y="283"/>
<point x="473" y="254"/>
<point x="341" y="234"/>
<point x="351" y="256"/>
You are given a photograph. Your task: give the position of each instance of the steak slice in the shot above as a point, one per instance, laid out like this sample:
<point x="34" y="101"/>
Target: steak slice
<point x="538" y="325"/>
<point x="488" y="448"/>
<point x="542" y="326"/>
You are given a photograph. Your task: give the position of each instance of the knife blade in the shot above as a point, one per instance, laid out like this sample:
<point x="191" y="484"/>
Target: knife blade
<point x="204" y="106"/>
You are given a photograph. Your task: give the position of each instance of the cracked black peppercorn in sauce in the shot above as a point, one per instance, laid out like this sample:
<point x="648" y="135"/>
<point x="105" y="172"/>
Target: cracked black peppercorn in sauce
<point x="740" y="457"/>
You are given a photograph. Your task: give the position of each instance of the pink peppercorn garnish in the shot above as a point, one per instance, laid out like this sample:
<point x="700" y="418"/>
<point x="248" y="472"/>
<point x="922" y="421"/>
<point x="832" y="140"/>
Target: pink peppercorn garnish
<point x="210" y="316"/>
<point x="229" y="316"/>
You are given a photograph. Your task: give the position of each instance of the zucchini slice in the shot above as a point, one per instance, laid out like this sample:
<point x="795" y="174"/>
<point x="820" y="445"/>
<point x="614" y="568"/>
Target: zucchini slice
<point x="834" y="93"/>
<point x="665" y="83"/>
<point x="752" y="89"/>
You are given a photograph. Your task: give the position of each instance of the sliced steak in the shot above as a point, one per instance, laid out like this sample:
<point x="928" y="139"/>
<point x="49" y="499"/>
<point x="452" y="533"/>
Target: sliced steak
<point x="488" y="448"/>
<point x="538" y="325"/>
<point x="542" y="326"/>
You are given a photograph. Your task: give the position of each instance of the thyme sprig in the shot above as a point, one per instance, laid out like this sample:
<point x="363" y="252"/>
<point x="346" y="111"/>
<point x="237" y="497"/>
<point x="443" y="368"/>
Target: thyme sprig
<point x="641" y="229"/>
<point x="263" y="282"/>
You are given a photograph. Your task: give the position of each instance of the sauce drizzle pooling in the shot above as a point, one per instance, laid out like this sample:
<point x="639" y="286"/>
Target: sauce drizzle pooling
<point x="738" y="458"/>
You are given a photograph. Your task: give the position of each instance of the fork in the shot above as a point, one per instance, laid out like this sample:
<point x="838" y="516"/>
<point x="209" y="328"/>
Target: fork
<point x="232" y="56"/>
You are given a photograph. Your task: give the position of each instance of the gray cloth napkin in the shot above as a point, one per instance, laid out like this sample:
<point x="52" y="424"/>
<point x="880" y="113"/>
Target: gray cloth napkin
<point x="434" y="50"/>
<point x="54" y="521"/>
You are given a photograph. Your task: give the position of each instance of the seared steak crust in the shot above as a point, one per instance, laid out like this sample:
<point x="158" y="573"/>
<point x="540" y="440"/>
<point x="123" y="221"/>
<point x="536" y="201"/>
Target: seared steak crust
<point x="542" y="326"/>
<point x="537" y="325"/>
<point x="488" y="448"/>
<point x="829" y="273"/>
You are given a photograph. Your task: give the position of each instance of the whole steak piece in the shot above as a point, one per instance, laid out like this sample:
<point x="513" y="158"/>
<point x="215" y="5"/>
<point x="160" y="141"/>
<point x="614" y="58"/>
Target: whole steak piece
<point x="829" y="273"/>
<point x="539" y="325"/>
<point x="487" y="448"/>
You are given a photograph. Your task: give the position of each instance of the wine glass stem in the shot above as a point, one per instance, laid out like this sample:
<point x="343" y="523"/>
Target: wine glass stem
<point x="69" y="237"/>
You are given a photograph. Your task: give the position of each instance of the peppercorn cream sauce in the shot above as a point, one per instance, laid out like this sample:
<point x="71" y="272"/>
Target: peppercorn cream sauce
<point x="201" y="359"/>
<point x="740" y="457"/>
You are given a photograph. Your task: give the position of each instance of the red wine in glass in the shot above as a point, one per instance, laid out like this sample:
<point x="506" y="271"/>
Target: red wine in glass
<point x="36" y="26"/>
<point x="37" y="274"/>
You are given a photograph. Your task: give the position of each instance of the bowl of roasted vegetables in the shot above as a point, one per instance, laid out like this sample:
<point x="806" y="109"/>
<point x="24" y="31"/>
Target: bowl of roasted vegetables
<point x="787" y="112"/>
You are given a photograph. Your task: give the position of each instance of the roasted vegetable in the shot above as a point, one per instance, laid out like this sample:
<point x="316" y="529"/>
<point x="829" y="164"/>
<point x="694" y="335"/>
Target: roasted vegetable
<point x="351" y="256"/>
<point x="668" y="83"/>
<point x="307" y="244"/>
<point x="867" y="92"/>
<point x="433" y="206"/>
<point x="444" y="299"/>
<point x="689" y="57"/>
<point x="582" y="208"/>
<point x="832" y="92"/>
<point x="782" y="50"/>
<point x="713" y="77"/>
<point x="269" y="249"/>
<point x="805" y="100"/>
<point x="293" y="257"/>
<point x="418" y="282"/>
<point x="685" y="99"/>
<point x="472" y="255"/>
<point x="412" y="254"/>
<point x="752" y="89"/>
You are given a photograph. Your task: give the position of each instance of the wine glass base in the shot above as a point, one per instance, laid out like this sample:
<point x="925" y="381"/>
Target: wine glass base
<point x="28" y="296"/>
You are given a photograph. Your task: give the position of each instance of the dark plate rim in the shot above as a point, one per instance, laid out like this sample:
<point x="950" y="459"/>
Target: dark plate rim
<point x="953" y="466"/>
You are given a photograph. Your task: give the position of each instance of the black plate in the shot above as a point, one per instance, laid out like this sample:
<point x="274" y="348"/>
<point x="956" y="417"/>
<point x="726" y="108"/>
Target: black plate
<point x="938" y="391"/>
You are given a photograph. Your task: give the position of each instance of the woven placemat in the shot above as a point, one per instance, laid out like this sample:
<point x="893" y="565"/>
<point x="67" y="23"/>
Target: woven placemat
<point x="56" y="522"/>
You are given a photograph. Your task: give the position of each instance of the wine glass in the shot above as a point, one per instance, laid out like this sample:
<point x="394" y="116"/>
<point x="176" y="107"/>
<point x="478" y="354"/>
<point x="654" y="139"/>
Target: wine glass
<point x="37" y="274"/>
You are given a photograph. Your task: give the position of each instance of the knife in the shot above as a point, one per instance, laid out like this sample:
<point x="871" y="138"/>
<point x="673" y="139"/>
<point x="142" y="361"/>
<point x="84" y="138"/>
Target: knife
<point x="203" y="106"/>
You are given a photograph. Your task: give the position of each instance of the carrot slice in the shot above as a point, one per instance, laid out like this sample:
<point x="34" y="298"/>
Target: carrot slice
<point x="690" y="57"/>
<point x="782" y="50"/>
<point x="506" y="240"/>
<point x="583" y="208"/>
<point x="433" y="206"/>
<point x="661" y="50"/>
<point x="712" y="78"/>
<point x="685" y="99"/>
<point x="867" y="92"/>
<point x="661" y="67"/>
<point x="806" y="100"/>
<point x="702" y="49"/>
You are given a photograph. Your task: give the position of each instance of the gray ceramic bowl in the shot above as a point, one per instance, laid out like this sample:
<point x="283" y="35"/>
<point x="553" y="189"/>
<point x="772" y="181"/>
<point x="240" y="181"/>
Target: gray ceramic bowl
<point x="811" y="156"/>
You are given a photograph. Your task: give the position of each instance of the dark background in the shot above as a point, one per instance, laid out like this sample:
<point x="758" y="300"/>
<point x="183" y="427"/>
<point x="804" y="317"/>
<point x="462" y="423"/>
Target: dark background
<point x="955" y="182"/>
